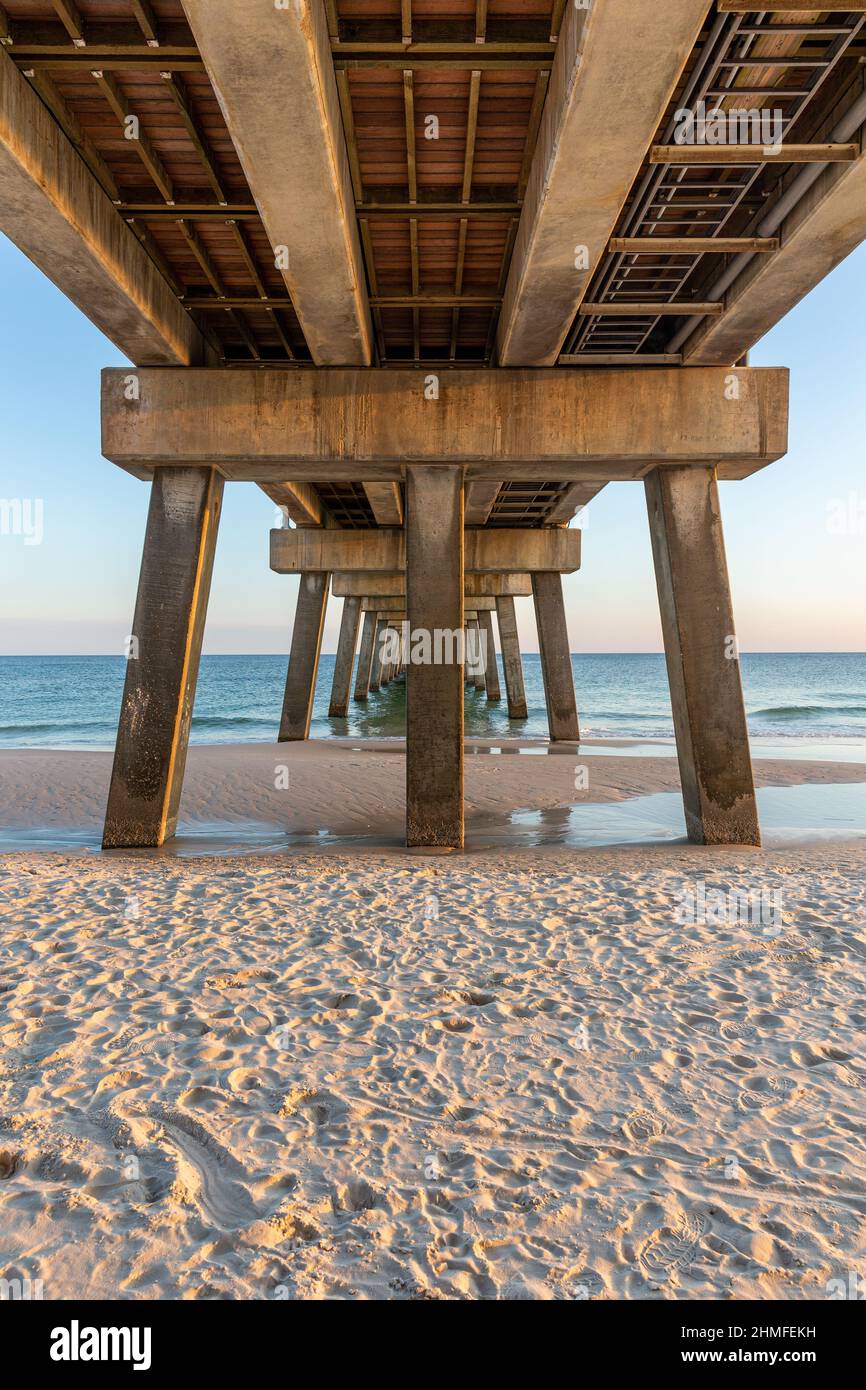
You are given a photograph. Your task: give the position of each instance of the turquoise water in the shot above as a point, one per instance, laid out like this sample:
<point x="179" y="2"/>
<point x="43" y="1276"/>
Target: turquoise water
<point x="794" y="701"/>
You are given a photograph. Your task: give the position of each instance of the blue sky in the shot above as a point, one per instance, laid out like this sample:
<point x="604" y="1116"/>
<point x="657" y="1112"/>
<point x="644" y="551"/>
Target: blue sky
<point x="799" y="583"/>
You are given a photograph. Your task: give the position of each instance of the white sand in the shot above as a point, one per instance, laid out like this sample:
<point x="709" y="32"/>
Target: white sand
<point x="509" y="1075"/>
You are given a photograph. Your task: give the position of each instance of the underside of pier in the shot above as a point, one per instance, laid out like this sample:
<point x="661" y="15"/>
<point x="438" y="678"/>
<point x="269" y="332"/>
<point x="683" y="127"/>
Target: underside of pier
<point x="431" y="276"/>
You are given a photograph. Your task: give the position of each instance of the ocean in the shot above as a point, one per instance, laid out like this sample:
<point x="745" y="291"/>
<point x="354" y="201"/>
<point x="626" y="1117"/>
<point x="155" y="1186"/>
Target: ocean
<point x="797" y="699"/>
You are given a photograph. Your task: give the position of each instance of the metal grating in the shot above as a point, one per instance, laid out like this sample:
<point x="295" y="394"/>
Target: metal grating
<point x="746" y="60"/>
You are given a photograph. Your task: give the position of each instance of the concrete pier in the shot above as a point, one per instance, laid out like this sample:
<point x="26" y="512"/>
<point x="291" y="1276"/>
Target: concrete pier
<point x="512" y="663"/>
<point x="479" y="679"/>
<point x="376" y="671"/>
<point x="163" y="657"/>
<point x="702" y="659"/>
<point x="434" y="691"/>
<point x="555" y="658"/>
<point x="365" y="658"/>
<point x="491" y="671"/>
<point x="348" y="641"/>
<point x="304" y="657"/>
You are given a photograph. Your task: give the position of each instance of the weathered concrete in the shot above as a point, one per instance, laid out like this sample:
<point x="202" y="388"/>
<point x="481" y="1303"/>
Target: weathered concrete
<point x="299" y="501"/>
<point x="590" y="148"/>
<point x="365" y="658"/>
<point x="491" y="671"/>
<point x="396" y="605"/>
<point x="479" y="500"/>
<point x="487" y="551"/>
<point x="376" y="672"/>
<point x="361" y="585"/>
<point x="54" y="210"/>
<point x="304" y="657"/>
<point x="512" y="664"/>
<point x="571" y="424"/>
<point x="434" y="693"/>
<point x="348" y="640"/>
<point x="702" y="660"/>
<point x="274" y="79"/>
<point x="386" y="503"/>
<point x="555" y="658"/>
<point x="479" y="679"/>
<point x="165" y="646"/>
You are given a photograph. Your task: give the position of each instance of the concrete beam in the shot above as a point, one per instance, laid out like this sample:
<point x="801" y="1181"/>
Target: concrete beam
<point x="273" y="75"/>
<point x="362" y="584"/>
<point x="474" y="628"/>
<point x="480" y="497"/>
<point x="486" y="550"/>
<point x="434" y="691"/>
<point x="306" y="647"/>
<point x="568" y="424"/>
<point x="702" y="659"/>
<point x="54" y="211"/>
<point x="345" y="660"/>
<point x="512" y="664"/>
<point x="379" y="603"/>
<point x="590" y="148"/>
<point x="300" y="501"/>
<point x="386" y="502"/>
<point x="571" y="501"/>
<point x="820" y="231"/>
<point x="161" y="673"/>
<point x="555" y="656"/>
<point x="376" y="671"/>
<point x="491" y="671"/>
<point x="365" y="658"/>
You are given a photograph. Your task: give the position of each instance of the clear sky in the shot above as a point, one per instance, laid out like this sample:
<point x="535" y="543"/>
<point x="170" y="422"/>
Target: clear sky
<point x="796" y="532"/>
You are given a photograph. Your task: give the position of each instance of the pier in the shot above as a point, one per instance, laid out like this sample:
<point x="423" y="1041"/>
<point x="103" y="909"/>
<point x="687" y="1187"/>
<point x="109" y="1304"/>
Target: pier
<point x="431" y="284"/>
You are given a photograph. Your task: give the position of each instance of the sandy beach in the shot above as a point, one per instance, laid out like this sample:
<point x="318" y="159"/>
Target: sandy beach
<point x="514" y="1073"/>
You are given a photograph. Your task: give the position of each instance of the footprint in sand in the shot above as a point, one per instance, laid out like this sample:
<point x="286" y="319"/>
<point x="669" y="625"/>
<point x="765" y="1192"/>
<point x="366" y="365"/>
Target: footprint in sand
<point x="644" y="1125"/>
<point x="205" y="1169"/>
<point x="672" y="1248"/>
<point x="766" y="1091"/>
<point x="732" y="1032"/>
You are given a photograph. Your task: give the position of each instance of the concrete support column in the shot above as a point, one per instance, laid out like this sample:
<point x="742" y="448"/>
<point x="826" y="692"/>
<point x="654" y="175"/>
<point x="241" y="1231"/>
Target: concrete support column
<point x="511" y="661"/>
<point x="479" y="680"/>
<point x="387" y="664"/>
<point x="304" y="656"/>
<point x="161" y="674"/>
<point x="346" y="645"/>
<point x="701" y="653"/>
<point x="491" y="671"/>
<point x="434" y="691"/>
<point x="365" y="658"/>
<point x="376" y="673"/>
<point x="555" y="657"/>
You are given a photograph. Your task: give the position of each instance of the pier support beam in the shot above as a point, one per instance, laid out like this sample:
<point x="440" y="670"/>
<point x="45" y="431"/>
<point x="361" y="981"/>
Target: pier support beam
<point x="479" y="680"/>
<point x="491" y="671"/>
<point x="161" y="674"/>
<point x="304" y="657"/>
<point x="701" y="653"/>
<point x="555" y="658"/>
<point x="346" y="645"/>
<point x="434" y="692"/>
<point x="365" y="658"/>
<point x="376" y="672"/>
<point x="512" y="664"/>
